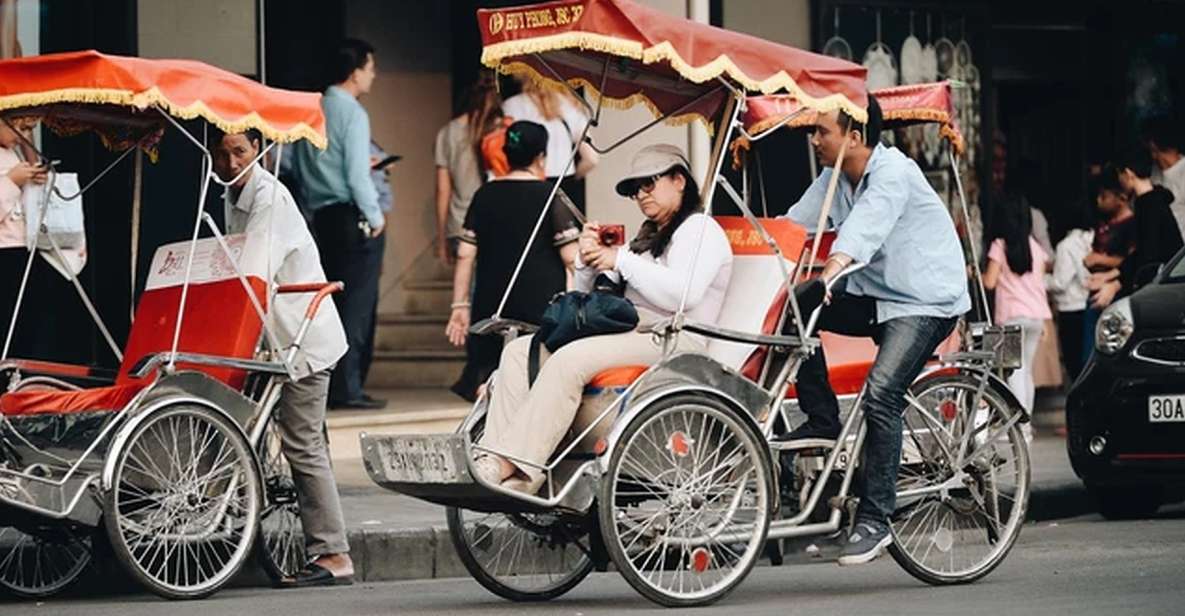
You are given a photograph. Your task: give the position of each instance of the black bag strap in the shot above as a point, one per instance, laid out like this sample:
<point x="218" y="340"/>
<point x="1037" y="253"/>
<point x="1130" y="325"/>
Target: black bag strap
<point x="533" y="359"/>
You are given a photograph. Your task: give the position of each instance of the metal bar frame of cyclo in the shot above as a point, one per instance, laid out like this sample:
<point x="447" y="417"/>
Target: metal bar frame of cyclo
<point x="82" y="294"/>
<point x="729" y="122"/>
<point x="596" y="117"/>
<point x="209" y="176"/>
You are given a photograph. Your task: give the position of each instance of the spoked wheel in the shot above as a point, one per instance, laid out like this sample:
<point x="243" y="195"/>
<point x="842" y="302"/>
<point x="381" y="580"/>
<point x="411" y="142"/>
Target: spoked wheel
<point x="963" y="488"/>
<point x="43" y="563"/>
<point x="522" y="556"/>
<point x="183" y="509"/>
<point x="685" y="504"/>
<point x="281" y="548"/>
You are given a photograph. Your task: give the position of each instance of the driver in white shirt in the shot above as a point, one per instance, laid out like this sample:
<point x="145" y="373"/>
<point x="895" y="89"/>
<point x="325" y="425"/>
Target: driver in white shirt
<point x="258" y="205"/>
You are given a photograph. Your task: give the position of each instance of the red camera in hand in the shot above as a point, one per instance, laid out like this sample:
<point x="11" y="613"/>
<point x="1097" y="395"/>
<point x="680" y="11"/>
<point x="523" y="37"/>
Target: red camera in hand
<point x="611" y="235"/>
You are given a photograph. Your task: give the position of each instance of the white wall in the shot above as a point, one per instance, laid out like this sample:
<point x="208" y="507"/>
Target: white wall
<point x="218" y="32"/>
<point x="781" y="21"/>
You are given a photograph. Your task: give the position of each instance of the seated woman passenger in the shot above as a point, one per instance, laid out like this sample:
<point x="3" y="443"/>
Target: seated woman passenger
<point x="528" y="422"/>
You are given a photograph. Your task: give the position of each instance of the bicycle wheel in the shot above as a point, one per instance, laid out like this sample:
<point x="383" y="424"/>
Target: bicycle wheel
<point x="42" y="563"/>
<point x="46" y="560"/>
<point x="521" y="556"/>
<point x="281" y="545"/>
<point x="955" y="522"/>
<point x="685" y="504"/>
<point x="183" y="509"/>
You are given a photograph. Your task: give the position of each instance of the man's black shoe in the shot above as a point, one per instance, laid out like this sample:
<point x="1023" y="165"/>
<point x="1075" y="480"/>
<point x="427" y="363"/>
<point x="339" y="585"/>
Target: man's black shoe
<point x="362" y="403"/>
<point x="368" y="398"/>
<point x="809" y="430"/>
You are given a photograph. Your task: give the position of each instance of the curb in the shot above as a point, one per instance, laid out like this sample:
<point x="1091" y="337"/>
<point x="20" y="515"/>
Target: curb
<point x="417" y="554"/>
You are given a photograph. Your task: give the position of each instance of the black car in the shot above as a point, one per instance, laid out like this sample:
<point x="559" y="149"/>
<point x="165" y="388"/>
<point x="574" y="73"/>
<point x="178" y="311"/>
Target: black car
<point x="1125" y="415"/>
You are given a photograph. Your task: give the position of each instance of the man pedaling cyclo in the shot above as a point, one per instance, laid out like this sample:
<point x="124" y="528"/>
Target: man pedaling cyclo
<point x="908" y="299"/>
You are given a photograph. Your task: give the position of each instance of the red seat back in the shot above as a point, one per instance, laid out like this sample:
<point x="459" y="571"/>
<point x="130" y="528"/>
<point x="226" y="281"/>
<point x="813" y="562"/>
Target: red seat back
<point x="219" y="317"/>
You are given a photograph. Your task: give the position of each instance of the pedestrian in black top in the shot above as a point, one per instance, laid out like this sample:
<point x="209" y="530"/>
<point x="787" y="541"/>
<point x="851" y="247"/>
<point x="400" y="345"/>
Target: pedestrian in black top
<point x="500" y="220"/>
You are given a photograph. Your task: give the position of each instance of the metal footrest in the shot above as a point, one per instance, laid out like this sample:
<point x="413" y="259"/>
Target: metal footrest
<point x="799" y="445"/>
<point x="434" y="468"/>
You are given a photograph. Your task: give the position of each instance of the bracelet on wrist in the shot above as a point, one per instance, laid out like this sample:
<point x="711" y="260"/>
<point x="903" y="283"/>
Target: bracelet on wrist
<point x="456" y="305"/>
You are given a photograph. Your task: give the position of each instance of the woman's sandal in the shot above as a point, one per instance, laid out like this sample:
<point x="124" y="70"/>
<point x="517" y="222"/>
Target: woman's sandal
<point x="315" y="575"/>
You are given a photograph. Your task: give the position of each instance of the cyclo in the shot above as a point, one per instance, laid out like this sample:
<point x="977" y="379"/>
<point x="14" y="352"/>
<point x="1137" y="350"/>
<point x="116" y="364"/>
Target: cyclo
<point x="669" y="471"/>
<point x="175" y="455"/>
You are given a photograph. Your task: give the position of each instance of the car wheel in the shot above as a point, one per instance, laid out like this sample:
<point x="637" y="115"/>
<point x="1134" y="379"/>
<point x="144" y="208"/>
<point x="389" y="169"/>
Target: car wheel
<point x="1127" y="502"/>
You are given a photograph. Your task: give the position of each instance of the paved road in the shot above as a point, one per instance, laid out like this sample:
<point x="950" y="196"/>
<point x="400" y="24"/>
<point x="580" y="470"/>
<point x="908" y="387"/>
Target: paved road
<point x="1081" y="566"/>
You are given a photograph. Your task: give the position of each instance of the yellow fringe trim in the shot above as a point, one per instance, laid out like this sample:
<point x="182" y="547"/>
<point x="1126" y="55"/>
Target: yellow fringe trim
<point x="153" y="96"/>
<point x="947" y="130"/>
<point x="523" y="69"/>
<point x="803" y="119"/>
<point x="493" y="55"/>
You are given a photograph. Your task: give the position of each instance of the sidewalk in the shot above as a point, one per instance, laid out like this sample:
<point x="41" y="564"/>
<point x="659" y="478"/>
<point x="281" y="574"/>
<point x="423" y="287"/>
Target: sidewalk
<point x="394" y="537"/>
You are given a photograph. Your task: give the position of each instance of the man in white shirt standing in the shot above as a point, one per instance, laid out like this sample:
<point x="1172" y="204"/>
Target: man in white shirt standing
<point x="258" y="205"/>
<point x="1165" y="144"/>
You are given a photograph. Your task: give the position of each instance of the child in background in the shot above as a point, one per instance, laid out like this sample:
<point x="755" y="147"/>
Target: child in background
<point x="1067" y="289"/>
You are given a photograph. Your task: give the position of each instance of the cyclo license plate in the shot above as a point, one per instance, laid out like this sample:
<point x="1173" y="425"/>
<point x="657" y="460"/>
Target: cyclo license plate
<point x="1163" y="409"/>
<point x="422" y="459"/>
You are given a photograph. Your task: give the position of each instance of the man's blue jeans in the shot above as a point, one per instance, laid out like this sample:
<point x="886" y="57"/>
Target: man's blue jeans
<point x="905" y="344"/>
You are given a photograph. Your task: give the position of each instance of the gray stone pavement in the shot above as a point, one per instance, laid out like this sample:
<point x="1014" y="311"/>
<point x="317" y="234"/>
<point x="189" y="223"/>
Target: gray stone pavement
<point x="1082" y="566"/>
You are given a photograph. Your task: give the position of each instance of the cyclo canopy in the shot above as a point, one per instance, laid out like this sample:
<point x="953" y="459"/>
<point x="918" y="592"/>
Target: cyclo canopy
<point x="87" y="90"/>
<point x="629" y="53"/>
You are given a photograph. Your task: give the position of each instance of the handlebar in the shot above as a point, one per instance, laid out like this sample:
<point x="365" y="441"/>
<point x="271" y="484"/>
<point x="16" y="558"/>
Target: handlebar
<point x="322" y="290"/>
<point x="828" y="285"/>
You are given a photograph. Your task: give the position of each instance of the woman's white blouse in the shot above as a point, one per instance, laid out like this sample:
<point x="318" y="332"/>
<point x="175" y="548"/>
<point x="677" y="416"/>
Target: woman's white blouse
<point x="658" y="284"/>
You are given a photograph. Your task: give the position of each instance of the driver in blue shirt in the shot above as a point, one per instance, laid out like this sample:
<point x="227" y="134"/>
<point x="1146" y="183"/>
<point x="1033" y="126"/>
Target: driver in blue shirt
<point x="908" y="298"/>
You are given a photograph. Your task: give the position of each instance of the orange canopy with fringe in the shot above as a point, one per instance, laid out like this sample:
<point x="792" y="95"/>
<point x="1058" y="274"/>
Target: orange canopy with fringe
<point x="114" y="95"/>
<point x="662" y="61"/>
<point x="900" y="106"/>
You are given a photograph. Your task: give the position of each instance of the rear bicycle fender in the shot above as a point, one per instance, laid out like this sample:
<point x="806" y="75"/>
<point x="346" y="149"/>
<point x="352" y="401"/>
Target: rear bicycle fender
<point x="139" y="415"/>
<point x="998" y="385"/>
<point x="690" y="373"/>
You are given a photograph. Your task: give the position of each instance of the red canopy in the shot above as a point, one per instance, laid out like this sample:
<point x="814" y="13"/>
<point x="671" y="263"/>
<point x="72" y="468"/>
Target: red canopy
<point x="900" y="106"/>
<point x="662" y="61"/>
<point x="113" y="96"/>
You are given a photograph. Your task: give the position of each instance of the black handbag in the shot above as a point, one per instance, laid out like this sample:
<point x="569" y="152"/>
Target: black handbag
<point x="577" y="314"/>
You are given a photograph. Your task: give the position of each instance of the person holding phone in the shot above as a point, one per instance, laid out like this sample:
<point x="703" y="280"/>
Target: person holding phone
<point x="499" y="222"/>
<point x="15" y="174"/>
<point x="527" y="421"/>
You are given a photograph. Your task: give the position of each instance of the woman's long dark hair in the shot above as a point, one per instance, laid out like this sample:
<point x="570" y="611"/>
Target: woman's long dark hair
<point x="655" y="240"/>
<point x="1014" y="224"/>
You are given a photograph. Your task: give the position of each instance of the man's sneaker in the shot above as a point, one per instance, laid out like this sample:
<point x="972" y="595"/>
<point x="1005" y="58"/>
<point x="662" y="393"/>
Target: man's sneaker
<point x="866" y="542"/>
<point x="810" y="430"/>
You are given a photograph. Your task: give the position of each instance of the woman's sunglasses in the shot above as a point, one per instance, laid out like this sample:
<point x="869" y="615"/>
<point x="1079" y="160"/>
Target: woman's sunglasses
<point x="645" y="185"/>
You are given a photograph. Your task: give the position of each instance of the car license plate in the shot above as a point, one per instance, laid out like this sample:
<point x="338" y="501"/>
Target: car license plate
<point x="1166" y="408"/>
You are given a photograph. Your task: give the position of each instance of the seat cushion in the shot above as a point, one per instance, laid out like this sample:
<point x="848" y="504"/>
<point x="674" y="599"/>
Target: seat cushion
<point x="613" y="378"/>
<point x="34" y="402"/>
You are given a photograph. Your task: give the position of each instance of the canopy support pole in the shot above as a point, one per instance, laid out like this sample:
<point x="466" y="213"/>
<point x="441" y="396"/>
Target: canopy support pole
<point x="728" y="121"/>
<point x="20" y="295"/>
<point x="83" y="296"/>
<point x="655" y="122"/>
<point x="825" y="211"/>
<point x="208" y="177"/>
<point x="555" y="188"/>
<point x="137" y="192"/>
<point x="975" y="272"/>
